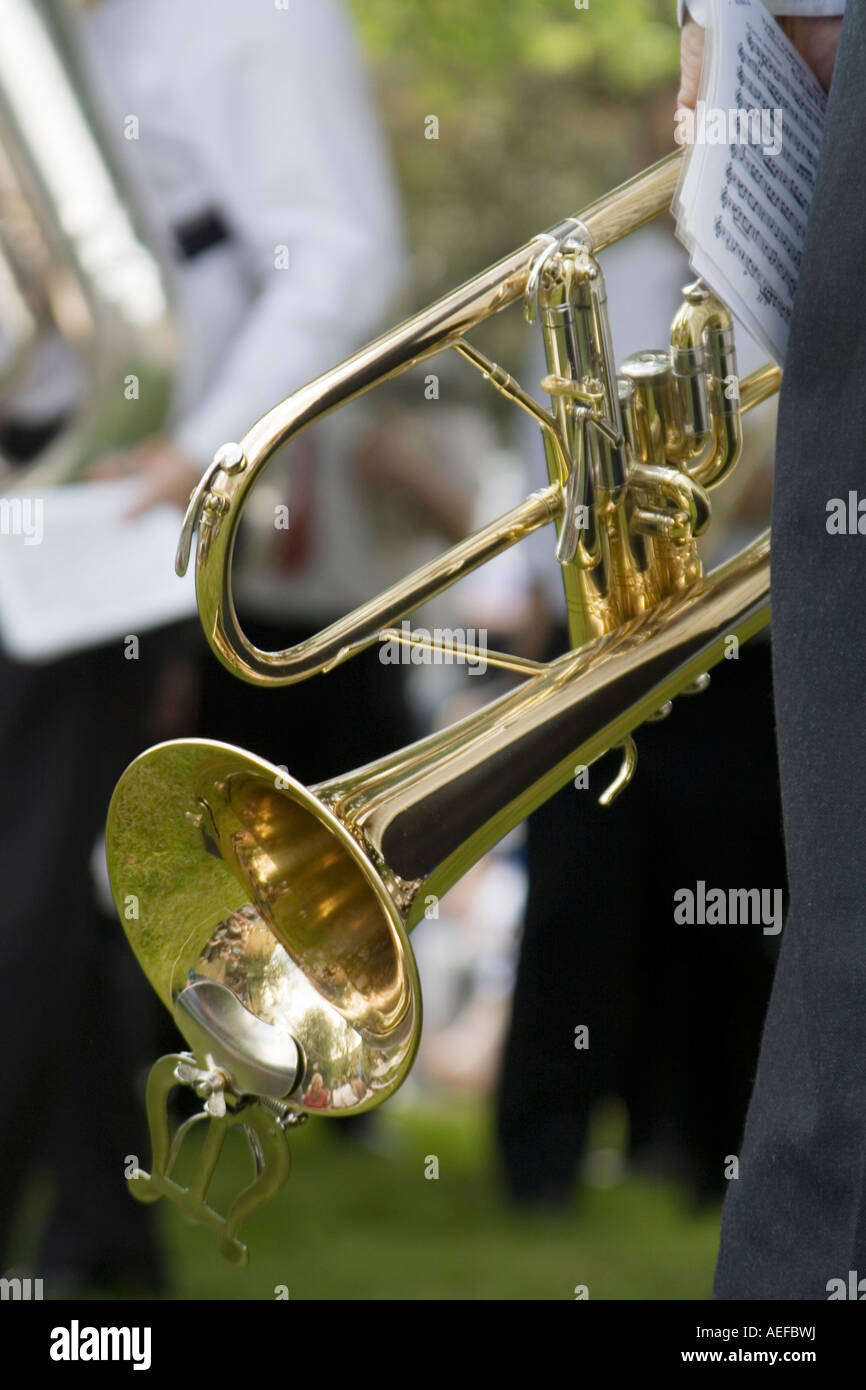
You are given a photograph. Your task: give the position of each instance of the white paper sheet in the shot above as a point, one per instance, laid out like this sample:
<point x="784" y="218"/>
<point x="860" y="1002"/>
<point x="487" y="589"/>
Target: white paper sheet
<point x="75" y="572"/>
<point x="743" y="201"/>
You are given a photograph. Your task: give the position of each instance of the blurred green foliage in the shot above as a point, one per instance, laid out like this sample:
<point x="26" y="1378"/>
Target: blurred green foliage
<point x="541" y="105"/>
<point x="621" y="46"/>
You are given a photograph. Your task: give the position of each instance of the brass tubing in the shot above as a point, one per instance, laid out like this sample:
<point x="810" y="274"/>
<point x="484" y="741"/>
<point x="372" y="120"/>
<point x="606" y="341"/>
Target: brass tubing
<point x="431" y="810"/>
<point x="360" y="628"/>
<point x="759" y="386"/>
<point x="216" y="510"/>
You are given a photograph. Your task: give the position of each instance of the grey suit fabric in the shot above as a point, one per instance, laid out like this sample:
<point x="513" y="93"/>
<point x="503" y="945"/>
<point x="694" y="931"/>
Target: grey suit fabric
<point x="795" y="1219"/>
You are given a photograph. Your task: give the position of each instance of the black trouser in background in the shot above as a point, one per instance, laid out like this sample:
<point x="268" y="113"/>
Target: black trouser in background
<point x="317" y="728"/>
<point x="77" y="1018"/>
<point x="673" y="1011"/>
<point x="796" y="1218"/>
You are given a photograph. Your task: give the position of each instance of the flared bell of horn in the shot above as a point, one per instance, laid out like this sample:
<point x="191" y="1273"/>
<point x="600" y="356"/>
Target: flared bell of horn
<point x="258" y="888"/>
<point x="273" y="920"/>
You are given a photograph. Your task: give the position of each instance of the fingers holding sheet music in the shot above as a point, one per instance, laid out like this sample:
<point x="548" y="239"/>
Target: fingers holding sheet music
<point x="691" y="59"/>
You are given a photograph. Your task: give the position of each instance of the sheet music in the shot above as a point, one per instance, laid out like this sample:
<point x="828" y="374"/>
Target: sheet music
<point x="75" y="572"/>
<point x="743" y="202"/>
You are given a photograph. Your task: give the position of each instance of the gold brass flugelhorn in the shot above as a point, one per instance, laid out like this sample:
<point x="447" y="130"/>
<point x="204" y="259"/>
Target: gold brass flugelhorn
<point x="273" y="919"/>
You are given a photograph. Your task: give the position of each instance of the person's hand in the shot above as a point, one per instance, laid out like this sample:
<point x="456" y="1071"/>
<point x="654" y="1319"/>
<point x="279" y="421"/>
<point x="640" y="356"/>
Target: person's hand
<point x="815" y="38"/>
<point x="691" y="60"/>
<point x="391" y="459"/>
<point x="166" y="474"/>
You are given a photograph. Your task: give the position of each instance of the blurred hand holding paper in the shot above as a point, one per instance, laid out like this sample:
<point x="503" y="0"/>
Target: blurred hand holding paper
<point x="75" y="572"/>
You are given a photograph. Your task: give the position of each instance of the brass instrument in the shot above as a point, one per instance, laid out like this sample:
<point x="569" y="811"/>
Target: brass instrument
<point x="273" y="919"/>
<point x="76" y="258"/>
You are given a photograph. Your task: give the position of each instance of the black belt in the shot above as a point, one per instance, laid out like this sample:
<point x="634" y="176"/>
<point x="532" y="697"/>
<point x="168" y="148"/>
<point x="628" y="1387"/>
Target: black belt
<point x="21" y="441"/>
<point x="200" y="234"/>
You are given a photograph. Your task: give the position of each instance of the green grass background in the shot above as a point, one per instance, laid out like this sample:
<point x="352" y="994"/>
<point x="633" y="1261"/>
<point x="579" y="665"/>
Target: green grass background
<point x="358" y="1223"/>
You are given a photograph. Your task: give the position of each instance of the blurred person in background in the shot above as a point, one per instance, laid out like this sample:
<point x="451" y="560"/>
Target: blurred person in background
<point x="260" y="163"/>
<point x="673" y="1013"/>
